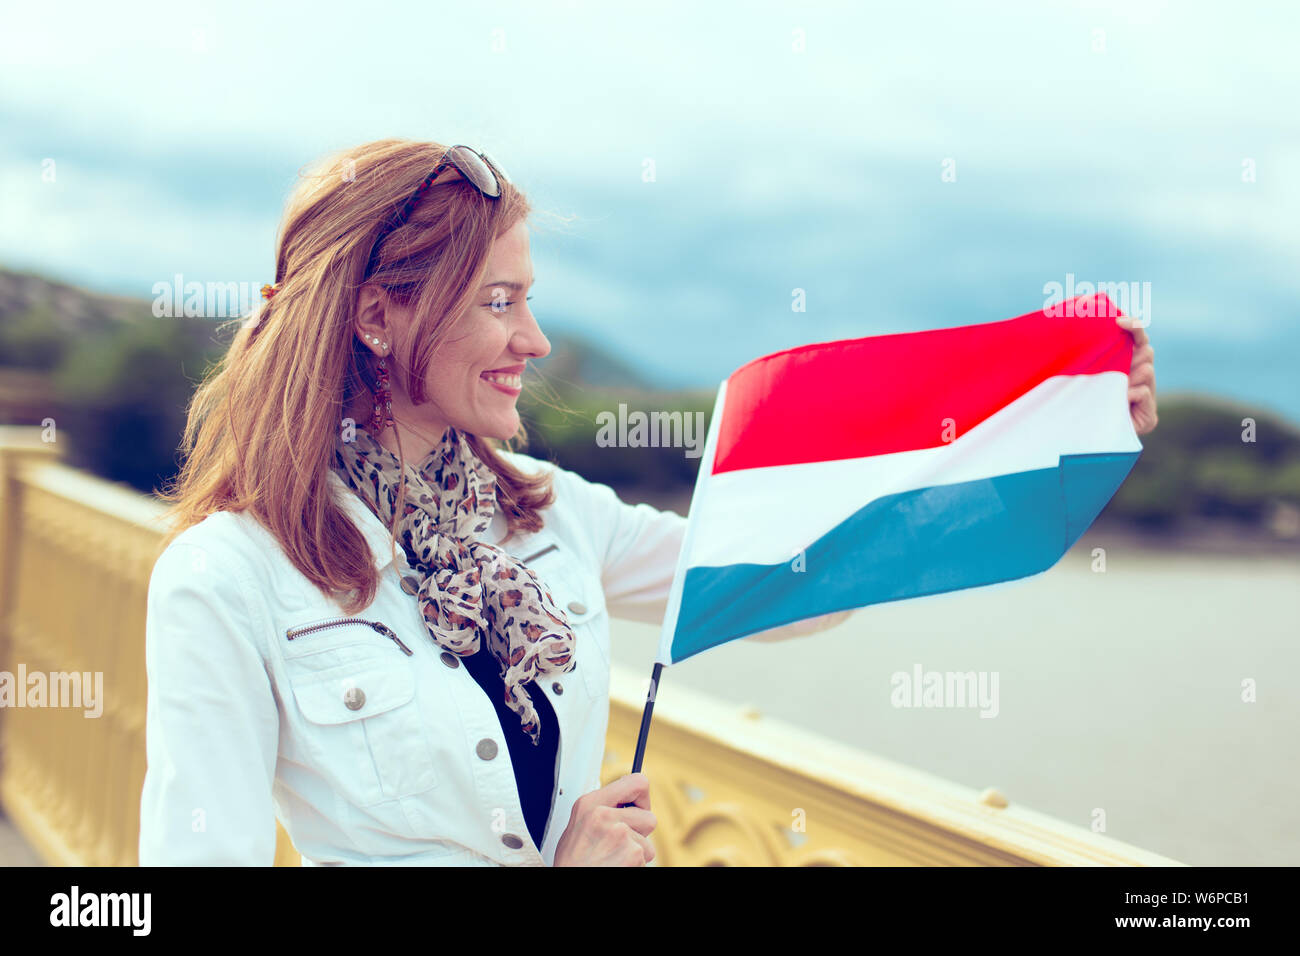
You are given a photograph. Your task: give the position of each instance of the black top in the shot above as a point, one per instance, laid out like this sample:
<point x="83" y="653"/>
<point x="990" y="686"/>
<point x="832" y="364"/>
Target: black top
<point x="534" y="765"/>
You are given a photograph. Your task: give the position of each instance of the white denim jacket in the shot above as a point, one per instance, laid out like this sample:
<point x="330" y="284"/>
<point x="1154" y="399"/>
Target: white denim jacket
<point x="367" y="754"/>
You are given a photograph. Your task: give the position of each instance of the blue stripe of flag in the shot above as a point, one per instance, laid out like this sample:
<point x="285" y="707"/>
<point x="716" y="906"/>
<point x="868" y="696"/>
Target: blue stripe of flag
<point x="909" y="544"/>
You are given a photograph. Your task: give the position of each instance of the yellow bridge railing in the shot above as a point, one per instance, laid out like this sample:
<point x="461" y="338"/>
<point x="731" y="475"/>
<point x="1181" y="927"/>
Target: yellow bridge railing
<point x="76" y="553"/>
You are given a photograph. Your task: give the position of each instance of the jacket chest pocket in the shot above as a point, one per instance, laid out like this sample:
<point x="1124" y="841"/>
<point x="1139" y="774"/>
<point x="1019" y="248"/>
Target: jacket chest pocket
<point x="358" y="697"/>
<point x="580" y="597"/>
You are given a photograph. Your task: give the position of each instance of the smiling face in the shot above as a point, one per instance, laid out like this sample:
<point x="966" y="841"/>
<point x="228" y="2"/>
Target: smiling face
<point x="474" y="378"/>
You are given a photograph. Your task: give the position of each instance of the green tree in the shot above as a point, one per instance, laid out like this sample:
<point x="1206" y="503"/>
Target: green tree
<point x="32" y="339"/>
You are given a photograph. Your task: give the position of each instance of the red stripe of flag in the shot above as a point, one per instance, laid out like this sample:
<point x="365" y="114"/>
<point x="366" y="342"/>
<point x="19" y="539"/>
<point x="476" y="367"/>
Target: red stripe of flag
<point x="891" y="393"/>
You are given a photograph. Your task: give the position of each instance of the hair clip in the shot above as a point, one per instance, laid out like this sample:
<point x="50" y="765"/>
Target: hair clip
<point x="268" y="291"/>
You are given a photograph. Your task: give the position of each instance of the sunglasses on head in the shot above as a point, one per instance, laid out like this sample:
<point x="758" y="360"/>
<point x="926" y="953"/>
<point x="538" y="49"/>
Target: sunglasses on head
<point x="479" y="170"/>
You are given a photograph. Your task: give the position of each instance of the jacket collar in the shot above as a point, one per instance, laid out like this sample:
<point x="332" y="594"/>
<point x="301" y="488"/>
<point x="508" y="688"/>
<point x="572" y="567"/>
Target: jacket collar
<point x="371" y="528"/>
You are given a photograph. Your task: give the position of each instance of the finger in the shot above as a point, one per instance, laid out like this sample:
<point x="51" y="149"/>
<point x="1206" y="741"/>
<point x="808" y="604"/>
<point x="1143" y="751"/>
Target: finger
<point x="1143" y="409"/>
<point x="642" y="821"/>
<point x="1147" y="419"/>
<point x="647" y="850"/>
<point x="1140" y="395"/>
<point x="1137" y="330"/>
<point x="1143" y="355"/>
<point x="631" y="788"/>
<point x="1139" y="335"/>
<point x="1129" y="322"/>
<point x="1142" y="375"/>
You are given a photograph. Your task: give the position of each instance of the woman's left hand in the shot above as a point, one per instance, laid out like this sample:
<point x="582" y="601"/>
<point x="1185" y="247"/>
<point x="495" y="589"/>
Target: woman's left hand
<point x="1141" y="377"/>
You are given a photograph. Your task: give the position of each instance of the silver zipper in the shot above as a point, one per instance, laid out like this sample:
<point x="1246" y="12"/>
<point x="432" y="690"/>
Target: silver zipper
<point x="379" y="626"/>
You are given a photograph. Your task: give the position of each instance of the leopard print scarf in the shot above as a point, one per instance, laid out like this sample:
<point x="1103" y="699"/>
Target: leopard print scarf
<point x="467" y="588"/>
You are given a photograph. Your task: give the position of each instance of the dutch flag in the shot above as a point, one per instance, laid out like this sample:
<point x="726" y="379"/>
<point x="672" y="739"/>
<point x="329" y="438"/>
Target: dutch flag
<point x="849" y="473"/>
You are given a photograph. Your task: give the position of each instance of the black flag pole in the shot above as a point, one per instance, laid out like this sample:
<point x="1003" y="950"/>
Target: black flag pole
<point x="644" y="734"/>
<point x="645" y="718"/>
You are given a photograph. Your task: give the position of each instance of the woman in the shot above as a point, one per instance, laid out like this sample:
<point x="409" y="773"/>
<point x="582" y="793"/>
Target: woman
<point x="415" y="683"/>
<point x="424" y="684"/>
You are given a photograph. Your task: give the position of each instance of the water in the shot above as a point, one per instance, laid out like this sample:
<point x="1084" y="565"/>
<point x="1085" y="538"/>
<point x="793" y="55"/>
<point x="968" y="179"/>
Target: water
<point x="1119" y="691"/>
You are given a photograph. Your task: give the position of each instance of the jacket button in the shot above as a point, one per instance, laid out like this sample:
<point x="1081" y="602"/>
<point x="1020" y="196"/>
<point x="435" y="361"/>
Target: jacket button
<point x="577" y="607"/>
<point x="558" y="687"/>
<point x="512" y="841"/>
<point x="354" y="698"/>
<point x="410" y="584"/>
<point x="487" y="748"/>
<point x="450" y="659"/>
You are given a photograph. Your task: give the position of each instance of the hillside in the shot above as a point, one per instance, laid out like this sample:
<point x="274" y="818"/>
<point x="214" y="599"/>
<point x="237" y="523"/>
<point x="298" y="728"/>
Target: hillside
<point x="116" y="380"/>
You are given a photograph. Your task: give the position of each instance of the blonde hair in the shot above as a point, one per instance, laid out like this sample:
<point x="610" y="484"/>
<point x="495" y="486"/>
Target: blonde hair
<point x="262" y="426"/>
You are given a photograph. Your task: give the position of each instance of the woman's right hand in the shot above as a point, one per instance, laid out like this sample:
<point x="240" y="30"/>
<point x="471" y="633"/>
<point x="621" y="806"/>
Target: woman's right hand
<point x="601" y="833"/>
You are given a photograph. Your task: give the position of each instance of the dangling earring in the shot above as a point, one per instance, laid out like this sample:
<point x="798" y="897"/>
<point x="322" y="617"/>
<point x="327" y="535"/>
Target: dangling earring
<point x="383" y="414"/>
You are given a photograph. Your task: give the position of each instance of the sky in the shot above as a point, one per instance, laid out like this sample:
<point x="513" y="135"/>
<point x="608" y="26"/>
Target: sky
<point x="908" y="166"/>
